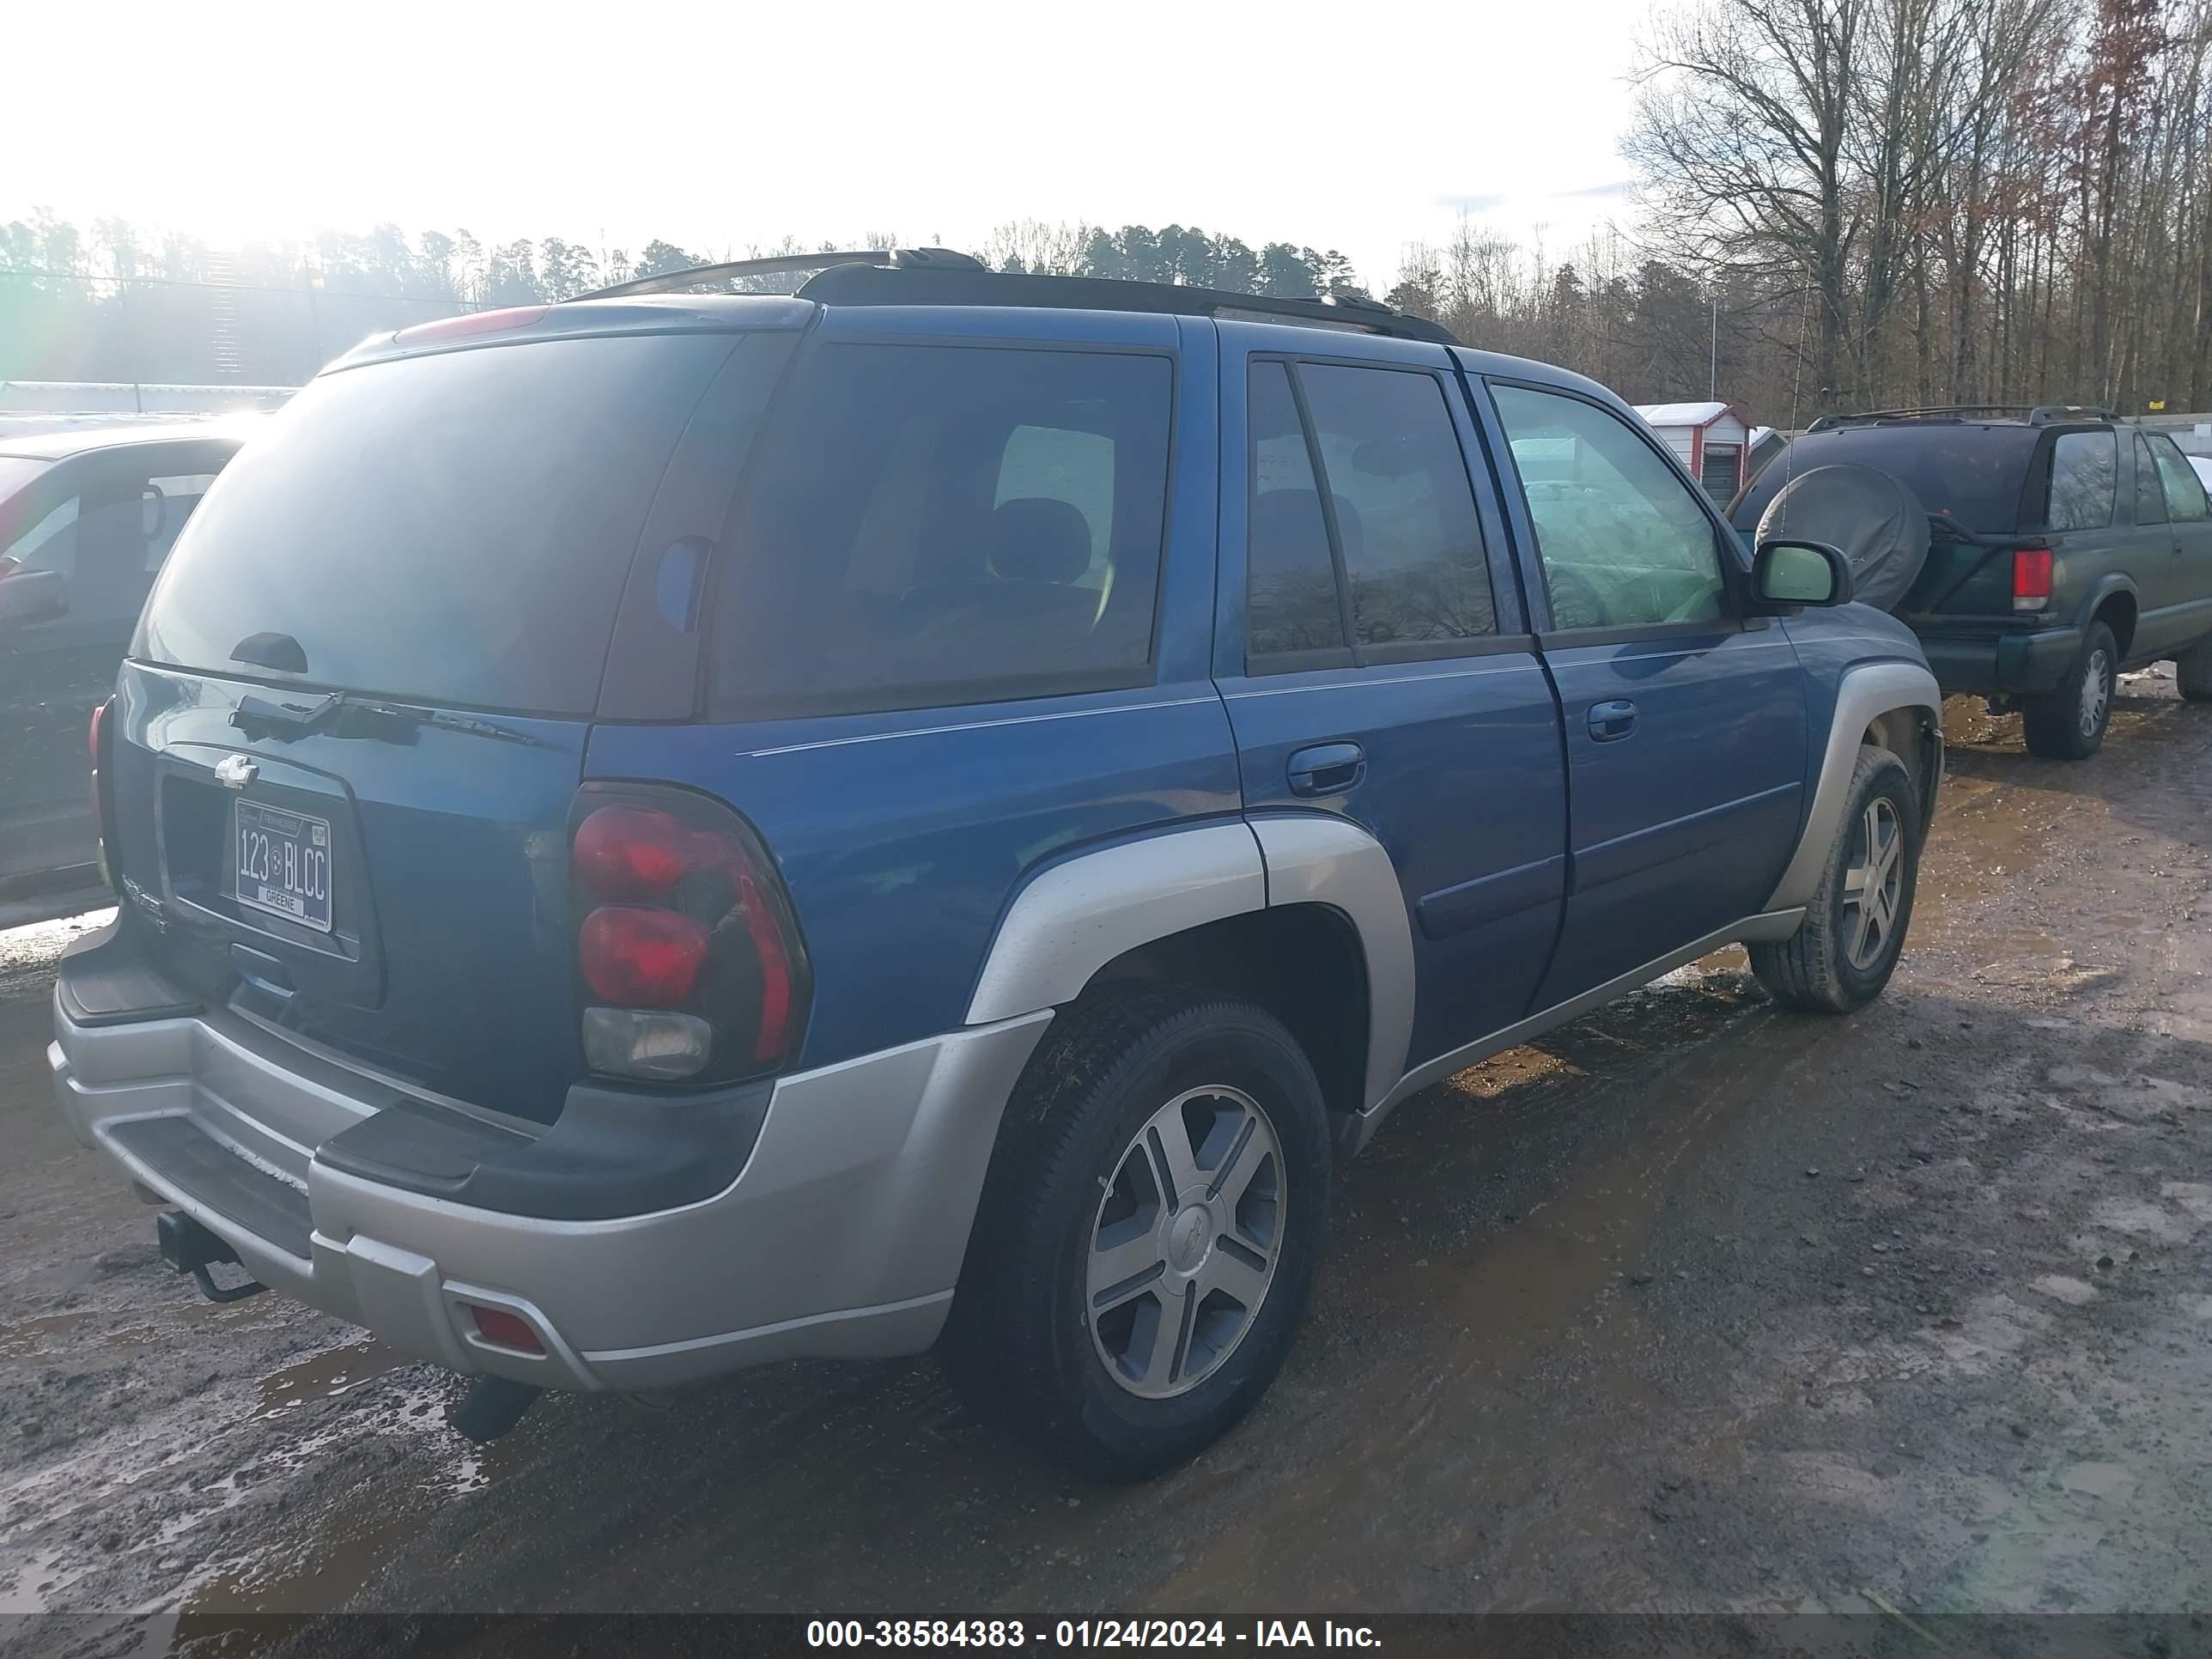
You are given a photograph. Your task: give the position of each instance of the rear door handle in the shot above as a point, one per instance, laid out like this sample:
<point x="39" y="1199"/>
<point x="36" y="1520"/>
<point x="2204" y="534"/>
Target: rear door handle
<point x="1609" y="722"/>
<point x="1327" y="769"/>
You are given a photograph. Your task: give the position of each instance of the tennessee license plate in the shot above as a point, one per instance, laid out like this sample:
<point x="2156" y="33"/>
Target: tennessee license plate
<point x="284" y="863"/>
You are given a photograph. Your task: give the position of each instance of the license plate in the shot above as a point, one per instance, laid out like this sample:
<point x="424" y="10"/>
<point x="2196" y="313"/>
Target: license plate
<point x="284" y="863"/>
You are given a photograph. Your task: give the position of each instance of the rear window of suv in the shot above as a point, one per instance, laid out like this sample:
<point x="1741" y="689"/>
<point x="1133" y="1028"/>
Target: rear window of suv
<point x="1973" y="475"/>
<point x="453" y="528"/>
<point x="934" y="524"/>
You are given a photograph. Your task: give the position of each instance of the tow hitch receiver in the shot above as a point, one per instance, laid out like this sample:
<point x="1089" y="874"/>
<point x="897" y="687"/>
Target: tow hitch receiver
<point x="192" y="1248"/>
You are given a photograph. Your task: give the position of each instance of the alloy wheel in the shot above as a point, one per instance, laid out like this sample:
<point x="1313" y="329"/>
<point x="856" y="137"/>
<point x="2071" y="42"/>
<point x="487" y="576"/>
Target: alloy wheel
<point x="1874" y="883"/>
<point x="1185" y="1241"/>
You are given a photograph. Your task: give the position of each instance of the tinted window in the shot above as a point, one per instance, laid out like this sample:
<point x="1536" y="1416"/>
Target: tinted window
<point x="2084" y="473"/>
<point x="167" y="511"/>
<point x="1290" y="578"/>
<point x="47" y="542"/>
<point x="456" y="528"/>
<point x="2184" y="491"/>
<point x="1064" y="464"/>
<point x="934" y="524"/>
<point x="2150" y="500"/>
<point x="1972" y="474"/>
<point x="1622" y="541"/>
<point x="1405" y="514"/>
<point x="108" y="535"/>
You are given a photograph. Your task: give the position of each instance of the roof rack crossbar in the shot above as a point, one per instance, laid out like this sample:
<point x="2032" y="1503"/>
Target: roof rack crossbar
<point x="668" y="282"/>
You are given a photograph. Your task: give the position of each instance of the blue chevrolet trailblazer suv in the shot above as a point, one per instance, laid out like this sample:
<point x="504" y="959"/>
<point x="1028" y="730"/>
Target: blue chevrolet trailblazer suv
<point x="673" y="831"/>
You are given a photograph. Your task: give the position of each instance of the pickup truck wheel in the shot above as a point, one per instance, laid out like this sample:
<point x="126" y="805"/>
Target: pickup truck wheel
<point x="1148" y="1233"/>
<point x="1854" y="928"/>
<point x="2192" y="671"/>
<point x="2069" y="723"/>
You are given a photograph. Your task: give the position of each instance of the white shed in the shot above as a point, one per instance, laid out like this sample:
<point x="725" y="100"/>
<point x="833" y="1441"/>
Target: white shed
<point x="1713" y="439"/>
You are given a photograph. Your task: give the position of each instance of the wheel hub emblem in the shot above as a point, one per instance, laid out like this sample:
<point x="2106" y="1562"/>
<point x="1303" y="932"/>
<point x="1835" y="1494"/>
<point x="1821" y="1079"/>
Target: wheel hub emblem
<point x="1188" y="1237"/>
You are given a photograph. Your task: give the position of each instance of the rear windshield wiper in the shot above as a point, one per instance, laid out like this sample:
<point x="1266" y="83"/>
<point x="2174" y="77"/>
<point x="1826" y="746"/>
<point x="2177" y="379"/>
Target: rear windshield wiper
<point x="442" y="720"/>
<point x="292" y="720"/>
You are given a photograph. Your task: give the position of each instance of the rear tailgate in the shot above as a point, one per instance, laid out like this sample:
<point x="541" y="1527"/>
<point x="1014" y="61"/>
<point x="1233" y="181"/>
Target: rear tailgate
<point x="427" y="870"/>
<point x="352" y="729"/>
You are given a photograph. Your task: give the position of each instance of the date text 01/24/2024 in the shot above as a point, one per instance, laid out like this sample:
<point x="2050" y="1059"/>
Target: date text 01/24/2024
<point x="1086" y="1633"/>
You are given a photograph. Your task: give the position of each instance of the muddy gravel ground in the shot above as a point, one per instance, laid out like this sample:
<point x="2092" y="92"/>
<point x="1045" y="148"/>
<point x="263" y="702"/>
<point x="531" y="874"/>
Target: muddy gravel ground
<point x="1694" y="1306"/>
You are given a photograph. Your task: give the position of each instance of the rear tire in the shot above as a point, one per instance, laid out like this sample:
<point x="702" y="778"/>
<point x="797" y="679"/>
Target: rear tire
<point x="2069" y="723"/>
<point x="1838" y="960"/>
<point x="1148" y="1234"/>
<point x="2192" y="671"/>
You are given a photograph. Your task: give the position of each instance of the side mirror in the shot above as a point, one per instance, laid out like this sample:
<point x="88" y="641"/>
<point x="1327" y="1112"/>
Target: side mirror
<point x="1790" y="573"/>
<point x="32" y="596"/>
<point x="153" y="511"/>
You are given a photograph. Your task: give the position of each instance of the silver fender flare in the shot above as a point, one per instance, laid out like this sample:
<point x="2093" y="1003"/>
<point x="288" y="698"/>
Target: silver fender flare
<point x="1072" y="919"/>
<point x="1865" y="693"/>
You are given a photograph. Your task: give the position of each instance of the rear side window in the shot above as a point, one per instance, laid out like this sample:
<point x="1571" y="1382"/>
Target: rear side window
<point x="931" y="525"/>
<point x="1405" y="512"/>
<point x="453" y="528"/>
<point x="2150" y="500"/>
<point x="2084" y="474"/>
<point x="1290" y="576"/>
<point x="2184" y="490"/>
<point x="1973" y="475"/>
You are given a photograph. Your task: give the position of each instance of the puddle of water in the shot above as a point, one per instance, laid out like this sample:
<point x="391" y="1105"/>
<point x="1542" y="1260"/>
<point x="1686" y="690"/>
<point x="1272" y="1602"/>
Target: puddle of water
<point x="27" y="1338"/>
<point x="327" y="1375"/>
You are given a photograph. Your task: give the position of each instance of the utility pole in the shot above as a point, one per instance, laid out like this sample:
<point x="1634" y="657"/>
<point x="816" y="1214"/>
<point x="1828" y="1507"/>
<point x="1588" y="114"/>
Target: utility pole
<point x="1714" y="394"/>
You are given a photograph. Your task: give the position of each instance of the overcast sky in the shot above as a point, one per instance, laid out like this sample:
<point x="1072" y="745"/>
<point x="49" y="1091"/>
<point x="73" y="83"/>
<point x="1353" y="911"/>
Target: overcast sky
<point x="717" y="126"/>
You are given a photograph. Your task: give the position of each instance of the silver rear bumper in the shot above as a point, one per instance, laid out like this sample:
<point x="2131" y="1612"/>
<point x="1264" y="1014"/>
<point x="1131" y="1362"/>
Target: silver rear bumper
<point x="842" y="1237"/>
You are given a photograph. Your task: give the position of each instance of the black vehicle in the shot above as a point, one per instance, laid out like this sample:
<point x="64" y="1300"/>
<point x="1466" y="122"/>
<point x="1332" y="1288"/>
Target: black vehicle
<point x="2066" y="545"/>
<point x="87" y="516"/>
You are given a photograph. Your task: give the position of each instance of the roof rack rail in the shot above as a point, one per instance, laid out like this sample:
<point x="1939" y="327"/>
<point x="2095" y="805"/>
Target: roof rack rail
<point x="668" y="282"/>
<point x="1931" y="411"/>
<point x="948" y="284"/>
<point x="2049" y="414"/>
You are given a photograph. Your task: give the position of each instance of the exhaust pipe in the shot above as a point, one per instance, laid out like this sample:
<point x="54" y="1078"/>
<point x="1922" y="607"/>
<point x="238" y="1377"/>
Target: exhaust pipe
<point x="493" y="1405"/>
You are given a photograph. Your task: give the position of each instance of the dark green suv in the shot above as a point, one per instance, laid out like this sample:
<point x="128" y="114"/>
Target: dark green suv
<point x="2066" y="545"/>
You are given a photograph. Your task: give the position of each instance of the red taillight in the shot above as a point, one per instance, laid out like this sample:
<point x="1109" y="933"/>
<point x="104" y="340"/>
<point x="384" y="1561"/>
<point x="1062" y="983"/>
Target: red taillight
<point x="690" y="957"/>
<point x="478" y="322"/>
<point x="2031" y="577"/>
<point x="640" y="958"/>
<point x="626" y="853"/>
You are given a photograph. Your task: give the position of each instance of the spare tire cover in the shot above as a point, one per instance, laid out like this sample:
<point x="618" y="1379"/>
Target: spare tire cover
<point x="1871" y="517"/>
